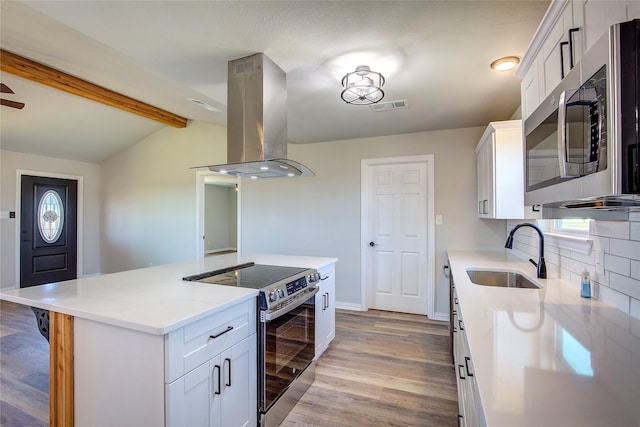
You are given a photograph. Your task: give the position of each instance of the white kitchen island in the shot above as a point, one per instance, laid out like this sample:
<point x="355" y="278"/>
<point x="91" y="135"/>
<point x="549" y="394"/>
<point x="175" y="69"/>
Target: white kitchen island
<point x="541" y="357"/>
<point x="120" y="341"/>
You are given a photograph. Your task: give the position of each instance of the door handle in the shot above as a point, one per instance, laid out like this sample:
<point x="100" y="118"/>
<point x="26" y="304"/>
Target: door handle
<point x="562" y="44"/>
<point x="571" y="60"/>
<point x="228" y="384"/>
<point x="371" y="244"/>
<point x="219" y="386"/>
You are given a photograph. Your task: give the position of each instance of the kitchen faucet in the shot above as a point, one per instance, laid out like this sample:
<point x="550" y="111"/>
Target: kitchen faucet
<point x="542" y="267"/>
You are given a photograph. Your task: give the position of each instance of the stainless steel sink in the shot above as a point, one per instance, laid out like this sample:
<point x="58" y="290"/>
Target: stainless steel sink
<point x="502" y="279"/>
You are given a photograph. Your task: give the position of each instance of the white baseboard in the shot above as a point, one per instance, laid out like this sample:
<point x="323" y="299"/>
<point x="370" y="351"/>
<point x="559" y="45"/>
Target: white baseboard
<point x="348" y="306"/>
<point x="441" y="316"/>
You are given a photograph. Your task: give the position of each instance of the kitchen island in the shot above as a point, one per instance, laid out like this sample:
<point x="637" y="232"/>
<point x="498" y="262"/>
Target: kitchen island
<point x="118" y="340"/>
<point x="544" y="357"/>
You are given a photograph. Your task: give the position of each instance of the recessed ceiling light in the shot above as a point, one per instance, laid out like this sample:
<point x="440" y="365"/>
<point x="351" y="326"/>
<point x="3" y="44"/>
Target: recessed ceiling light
<point x="204" y="105"/>
<point x="505" y="64"/>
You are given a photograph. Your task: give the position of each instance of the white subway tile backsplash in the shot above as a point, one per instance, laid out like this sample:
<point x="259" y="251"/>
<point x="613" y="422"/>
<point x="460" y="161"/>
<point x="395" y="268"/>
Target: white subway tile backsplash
<point x="617" y="243"/>
<point x="625" y="285"/>
<point x="625" y="248"/>
<point x="634" y="233"/>
<point x="617" y="264"/>
<point x="617" y="229"/>
<point x="635" y="309"/>
<point x="613" y="297"/>
<point x="635" y="269"/>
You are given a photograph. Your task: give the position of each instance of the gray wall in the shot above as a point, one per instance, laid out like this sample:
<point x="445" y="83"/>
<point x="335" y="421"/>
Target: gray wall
<point x="10" y="162"/>
<point x="220" y="217"/>
<point x="149" y="196"/>
<point x="321" y="215"/>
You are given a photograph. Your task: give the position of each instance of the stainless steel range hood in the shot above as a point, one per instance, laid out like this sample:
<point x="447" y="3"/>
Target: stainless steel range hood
<point x="257" y="121"/>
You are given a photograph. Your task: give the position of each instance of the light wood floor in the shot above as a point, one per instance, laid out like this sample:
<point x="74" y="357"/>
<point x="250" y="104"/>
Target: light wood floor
<point x="382" y="369"/>
<point x="24" y="368"/>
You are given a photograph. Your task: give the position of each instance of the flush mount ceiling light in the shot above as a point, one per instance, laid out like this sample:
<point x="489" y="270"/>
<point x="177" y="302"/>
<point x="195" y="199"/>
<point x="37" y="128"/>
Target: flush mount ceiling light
<point x="362" y="86"/>
<point x="505" y="64"/>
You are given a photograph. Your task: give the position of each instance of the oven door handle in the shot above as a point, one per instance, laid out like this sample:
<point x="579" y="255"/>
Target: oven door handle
<point x="268" y="315"/>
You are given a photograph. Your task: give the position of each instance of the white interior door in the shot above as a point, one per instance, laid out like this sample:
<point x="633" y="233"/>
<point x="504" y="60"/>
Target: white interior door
<point x="397" y="232"/>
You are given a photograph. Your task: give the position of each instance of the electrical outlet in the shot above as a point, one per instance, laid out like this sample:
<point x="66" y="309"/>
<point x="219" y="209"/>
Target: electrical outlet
<point x="438" y="219"/>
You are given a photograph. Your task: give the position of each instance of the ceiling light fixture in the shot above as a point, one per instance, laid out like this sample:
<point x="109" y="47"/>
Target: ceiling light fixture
<point x="506" y="63"/>
<point x="362" y="86"/>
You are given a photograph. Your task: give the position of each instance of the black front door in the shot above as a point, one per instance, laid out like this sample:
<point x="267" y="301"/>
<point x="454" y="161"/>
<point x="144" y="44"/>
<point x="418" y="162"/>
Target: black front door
<point x="48" y="230"/>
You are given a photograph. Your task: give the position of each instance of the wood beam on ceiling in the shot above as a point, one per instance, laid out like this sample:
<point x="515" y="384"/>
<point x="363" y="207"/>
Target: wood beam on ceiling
<point x="39" y="73"/>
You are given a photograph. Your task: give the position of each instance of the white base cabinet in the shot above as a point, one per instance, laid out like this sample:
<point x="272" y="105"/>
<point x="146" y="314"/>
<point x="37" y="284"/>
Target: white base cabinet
<point x="325" y="310"/>
<point x="203" y="374"/>
<point x="219" y="393"/>
<point x="470" y="411"/>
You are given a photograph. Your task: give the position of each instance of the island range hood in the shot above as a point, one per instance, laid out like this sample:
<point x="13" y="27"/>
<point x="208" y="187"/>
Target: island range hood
<point x="257" y="121"/>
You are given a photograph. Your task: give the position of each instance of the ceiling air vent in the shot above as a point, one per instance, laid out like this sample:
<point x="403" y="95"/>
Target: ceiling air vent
<point x="391" y="105"/>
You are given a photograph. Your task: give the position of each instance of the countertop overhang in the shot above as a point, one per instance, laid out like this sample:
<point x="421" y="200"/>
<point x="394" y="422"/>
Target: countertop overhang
<point x="153" y="300"/>
<point x="546" y="357"/>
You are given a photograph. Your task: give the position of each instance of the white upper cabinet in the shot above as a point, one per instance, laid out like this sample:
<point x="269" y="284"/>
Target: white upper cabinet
<point x="500" y="171"/>
<point x="568" y="30"/>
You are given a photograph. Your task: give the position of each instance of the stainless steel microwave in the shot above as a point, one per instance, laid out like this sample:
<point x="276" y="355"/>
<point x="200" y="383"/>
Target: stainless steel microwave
<point x="582" y="148"/>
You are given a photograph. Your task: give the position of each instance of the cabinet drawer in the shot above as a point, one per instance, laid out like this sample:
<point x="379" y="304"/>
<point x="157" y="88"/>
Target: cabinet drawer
<point x="328" y="274"/>
<point x="194" y="344"/>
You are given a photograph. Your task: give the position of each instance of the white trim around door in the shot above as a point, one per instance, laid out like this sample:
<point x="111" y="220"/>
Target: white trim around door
<point x="365" y="167"/>
<point x="80" y="225"/>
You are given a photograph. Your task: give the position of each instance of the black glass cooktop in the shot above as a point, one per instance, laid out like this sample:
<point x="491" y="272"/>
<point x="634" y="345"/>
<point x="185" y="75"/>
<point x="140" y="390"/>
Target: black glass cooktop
<point x="250" y="275"/>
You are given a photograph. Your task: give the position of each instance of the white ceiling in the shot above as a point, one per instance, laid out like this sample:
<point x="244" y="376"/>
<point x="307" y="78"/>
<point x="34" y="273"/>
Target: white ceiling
<point x="434" y="54"/>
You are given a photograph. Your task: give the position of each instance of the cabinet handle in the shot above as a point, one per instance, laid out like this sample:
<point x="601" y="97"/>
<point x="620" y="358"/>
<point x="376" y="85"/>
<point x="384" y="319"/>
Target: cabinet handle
<point x="219" y="386"/>
<point x="455" y="300"/>
<point x="571" y="31"/>
<point x="228" y="384"/>
<point x="229" y="329"/>
<point x="327" y="299"/>
<point x="460" y="371"/>
<point x="562" y="44"/>
<point x="466" y="364"/>
<point x="324" y="301"/>
<point x="480" y="206"/>
<point x="460" y="324"/>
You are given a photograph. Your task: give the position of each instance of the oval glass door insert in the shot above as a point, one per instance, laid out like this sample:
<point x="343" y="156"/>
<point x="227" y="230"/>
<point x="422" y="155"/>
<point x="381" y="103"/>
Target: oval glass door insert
<point x="50" y="216"/>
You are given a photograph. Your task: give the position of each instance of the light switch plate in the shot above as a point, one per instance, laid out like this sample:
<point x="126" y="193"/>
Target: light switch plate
<point x="438" y="219"/>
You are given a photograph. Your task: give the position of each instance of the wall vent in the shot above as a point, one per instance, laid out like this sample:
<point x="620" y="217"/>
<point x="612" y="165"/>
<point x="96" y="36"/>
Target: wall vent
<point x="391" y="105"/>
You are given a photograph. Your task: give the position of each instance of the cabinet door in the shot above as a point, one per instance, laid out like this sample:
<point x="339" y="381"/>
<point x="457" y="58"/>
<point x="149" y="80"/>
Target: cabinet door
<point x="190" y="397"/>
<point x="598" y="17"/>
<point x="530" y="90"/>
<point x="330" y="314"/>
<point x="485" y="164"/>
<point x="239" y="398"/>
<point x="325" y="329"/>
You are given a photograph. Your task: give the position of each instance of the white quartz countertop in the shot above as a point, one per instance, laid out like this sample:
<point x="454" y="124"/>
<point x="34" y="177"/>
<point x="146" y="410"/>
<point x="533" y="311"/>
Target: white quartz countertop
<point x="546" y="357"/>
<point x="154" y="300"/>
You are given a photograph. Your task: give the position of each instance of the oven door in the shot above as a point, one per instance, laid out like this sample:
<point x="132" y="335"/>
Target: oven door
<point x="287" y="347"/>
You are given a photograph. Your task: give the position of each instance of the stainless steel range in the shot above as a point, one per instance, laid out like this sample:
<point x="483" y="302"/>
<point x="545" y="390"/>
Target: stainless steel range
<point x="286" y="331"/>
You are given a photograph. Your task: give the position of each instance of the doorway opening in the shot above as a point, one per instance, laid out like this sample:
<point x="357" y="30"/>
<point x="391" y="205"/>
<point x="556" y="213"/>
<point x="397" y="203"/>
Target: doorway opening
<point x="218" y="210"/>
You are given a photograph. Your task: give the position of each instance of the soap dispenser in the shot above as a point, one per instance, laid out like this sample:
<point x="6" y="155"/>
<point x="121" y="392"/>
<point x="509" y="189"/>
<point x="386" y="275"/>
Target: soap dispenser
<point x="585" y="285"/>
